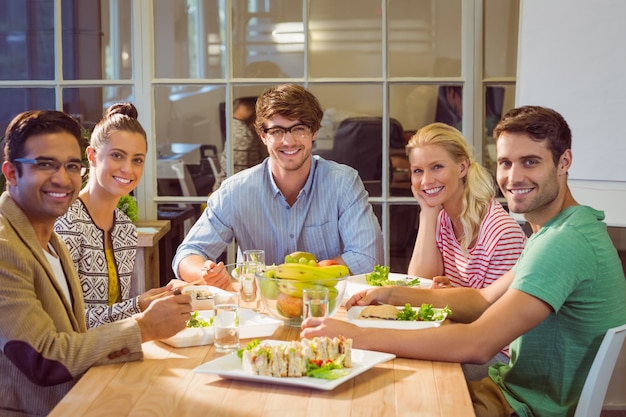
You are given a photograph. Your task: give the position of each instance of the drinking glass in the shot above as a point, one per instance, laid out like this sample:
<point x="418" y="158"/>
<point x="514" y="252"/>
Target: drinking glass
<point x="315" y="302"/>
<point x="255" y="255"/>
<point x="249" y="296"/>
<point x="226" y="321"/>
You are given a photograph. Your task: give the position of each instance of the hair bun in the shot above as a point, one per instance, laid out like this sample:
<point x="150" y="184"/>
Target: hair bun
<point x="126" y="109"/>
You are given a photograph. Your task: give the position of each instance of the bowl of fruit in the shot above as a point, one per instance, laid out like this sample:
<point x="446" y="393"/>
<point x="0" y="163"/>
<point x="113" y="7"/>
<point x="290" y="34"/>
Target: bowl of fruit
<point x="281" y="285"/>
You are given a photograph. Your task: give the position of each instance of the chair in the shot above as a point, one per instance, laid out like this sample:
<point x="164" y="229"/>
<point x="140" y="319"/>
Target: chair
<point x="358" y="143"/>
<point x="597" y="382"/>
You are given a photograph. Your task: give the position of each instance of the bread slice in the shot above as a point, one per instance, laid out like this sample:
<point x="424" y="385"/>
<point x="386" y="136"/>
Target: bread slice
<point x="381" y="312"/>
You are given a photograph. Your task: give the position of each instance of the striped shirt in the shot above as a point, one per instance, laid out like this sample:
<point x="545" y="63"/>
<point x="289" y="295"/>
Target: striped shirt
<point x="500" y="242"/>
<point x="331" y="216"/>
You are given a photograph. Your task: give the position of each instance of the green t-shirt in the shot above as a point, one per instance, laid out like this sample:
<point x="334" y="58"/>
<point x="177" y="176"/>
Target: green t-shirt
<point x="572" y="265"/>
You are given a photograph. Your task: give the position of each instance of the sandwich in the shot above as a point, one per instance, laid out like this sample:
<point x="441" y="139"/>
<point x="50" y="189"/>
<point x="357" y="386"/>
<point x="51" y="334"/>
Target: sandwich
<point x="380" y="312"/>
<point x="291" y="359"/>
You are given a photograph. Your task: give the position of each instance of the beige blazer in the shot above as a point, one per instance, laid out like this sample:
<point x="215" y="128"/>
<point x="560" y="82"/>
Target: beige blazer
<point x="44" y="344"/>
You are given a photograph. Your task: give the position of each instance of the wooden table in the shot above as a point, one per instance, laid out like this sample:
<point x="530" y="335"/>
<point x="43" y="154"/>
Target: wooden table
<point x="146" y="272"/>
<point x="164" y="384"/>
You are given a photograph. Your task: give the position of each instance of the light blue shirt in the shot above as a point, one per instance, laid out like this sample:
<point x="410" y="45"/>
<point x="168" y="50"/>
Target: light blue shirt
<point x="331" y="216"/>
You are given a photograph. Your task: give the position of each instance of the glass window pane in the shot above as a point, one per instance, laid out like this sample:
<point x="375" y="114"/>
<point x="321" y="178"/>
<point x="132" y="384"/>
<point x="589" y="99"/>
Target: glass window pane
<point x="96" y="39"/>
<point x="345" y="41"/>
<point x="424" y="38"/>
<point x="403" y="222"/>
<point x="247" y="149"/>
<point x="88" y="104"/>
<point x="417" y="105"/>
<point x="16" y="100"/>
<point x="268" y="39"/>
<point x="187" y="125"/>
<point x="501" y="27"/>
<point x="499" y="99"/>
<point x="351" y="131"/>
<point x="189" y="38"/>
<point x="26" y="40"/>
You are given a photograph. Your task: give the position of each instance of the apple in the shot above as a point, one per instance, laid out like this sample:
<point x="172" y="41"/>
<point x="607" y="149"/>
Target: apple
<point x="327" y="262"/>
<point x="288" y="305"/>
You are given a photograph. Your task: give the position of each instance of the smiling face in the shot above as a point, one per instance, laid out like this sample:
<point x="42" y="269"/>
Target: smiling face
<point x="44" y="196"/>
<point x="291" y="153"/>
<point x="528" y="176"/>
<point x="117" y="166"/>
<point x="436" y="177"/>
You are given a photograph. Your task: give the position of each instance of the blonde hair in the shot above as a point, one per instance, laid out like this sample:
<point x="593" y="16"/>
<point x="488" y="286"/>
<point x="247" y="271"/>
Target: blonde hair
<point x="478" y="185"/>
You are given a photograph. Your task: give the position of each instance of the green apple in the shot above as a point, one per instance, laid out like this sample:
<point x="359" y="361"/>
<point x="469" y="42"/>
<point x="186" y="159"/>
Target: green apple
<point x="269" y="288"/>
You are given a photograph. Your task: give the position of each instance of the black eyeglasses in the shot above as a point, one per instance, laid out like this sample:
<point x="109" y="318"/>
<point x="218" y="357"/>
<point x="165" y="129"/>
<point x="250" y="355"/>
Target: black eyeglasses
<point x="299" y="131"/>
<point x="50" y="166"/>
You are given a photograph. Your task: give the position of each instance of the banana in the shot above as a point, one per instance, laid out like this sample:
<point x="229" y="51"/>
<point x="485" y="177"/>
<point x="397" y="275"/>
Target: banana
<point x="294" y="288"/>
<point x="303" y="272"/>
<point x="338" y="271"/>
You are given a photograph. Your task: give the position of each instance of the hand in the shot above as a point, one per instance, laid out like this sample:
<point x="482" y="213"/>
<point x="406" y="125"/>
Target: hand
<point x="216" y="275"/>
<point x="378" y="295"/>
<point x="147" y="297"/>
<point x="440" y="282"/>
<point x="324" y="326"/>
<point x="164" y="317"/>
<point x="425" y="209"/>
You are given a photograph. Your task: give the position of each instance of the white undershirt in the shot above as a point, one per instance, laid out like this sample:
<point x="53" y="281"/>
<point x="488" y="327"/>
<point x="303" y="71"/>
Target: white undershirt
<point x="59" y="275"/>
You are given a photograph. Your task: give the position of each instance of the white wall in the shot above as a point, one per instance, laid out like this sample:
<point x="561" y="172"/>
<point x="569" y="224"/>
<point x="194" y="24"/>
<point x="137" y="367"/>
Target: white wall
<point x="572" y="57"/>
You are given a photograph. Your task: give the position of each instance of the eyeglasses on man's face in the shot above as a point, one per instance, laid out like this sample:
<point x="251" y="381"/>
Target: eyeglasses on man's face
<point x="51" y="166"/>
<point x="277" y="133"/>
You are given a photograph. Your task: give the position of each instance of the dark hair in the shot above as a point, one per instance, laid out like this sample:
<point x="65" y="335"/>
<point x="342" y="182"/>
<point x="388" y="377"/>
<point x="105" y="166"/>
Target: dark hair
<point x="120" y="116"/>
<point x="37" y="122"/>
<point x="250" y="103"/>
<point x="291" y="101"/>
<point x="540" y="123"/>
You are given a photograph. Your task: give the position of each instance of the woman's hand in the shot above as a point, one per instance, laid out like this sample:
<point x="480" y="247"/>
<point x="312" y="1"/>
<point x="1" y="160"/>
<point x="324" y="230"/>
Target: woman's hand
<point x="440" y="282"/>
<point x="425" y="209"/>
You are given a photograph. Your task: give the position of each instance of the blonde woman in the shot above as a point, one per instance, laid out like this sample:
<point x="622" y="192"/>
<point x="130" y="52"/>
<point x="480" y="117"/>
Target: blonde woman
<point x="465" y="237"/>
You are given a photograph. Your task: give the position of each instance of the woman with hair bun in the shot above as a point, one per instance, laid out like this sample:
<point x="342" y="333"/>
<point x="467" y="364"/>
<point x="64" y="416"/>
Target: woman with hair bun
<point x="101" y="238"/>
<point x="465" y="237"/>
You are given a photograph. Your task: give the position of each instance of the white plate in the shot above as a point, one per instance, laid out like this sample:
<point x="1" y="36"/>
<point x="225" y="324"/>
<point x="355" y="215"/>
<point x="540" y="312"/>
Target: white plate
<point x="352" y="316"/>
<point x="251" y="325"/>
<point x="229" y="367"/>
<point x="357" y="283"/>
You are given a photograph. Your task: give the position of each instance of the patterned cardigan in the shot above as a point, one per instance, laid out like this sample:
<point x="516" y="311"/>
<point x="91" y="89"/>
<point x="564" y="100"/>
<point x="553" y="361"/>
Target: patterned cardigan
<point x="44" y="343"/>
<point x="86" y="244"/>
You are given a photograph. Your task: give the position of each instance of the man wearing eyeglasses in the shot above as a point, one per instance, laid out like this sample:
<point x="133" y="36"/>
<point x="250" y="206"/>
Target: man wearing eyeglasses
<point x="44" y="343"/>
<point x="292" y="201"/>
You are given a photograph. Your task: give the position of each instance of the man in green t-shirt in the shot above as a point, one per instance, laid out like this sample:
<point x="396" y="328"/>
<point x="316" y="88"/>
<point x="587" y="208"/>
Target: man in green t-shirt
<point x="555" y="305"/>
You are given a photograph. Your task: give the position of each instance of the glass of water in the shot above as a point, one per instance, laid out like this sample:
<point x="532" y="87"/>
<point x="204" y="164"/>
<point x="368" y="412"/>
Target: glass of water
<point x="226" y="321"/>
<point x="315" y="302"/>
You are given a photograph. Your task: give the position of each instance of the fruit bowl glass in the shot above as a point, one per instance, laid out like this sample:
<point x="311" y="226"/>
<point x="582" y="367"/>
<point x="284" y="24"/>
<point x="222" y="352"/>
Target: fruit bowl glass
<point x="282" y="298"/>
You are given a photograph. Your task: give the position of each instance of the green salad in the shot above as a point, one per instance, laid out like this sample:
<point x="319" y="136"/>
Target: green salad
<point x="197" y="321"/>
<point x="379" y="277"/>
<point x="425" y="313"/>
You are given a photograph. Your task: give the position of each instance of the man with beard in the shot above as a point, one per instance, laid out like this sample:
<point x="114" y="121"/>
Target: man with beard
<point x="553" y="308"/>
<point x="292" y="201"/>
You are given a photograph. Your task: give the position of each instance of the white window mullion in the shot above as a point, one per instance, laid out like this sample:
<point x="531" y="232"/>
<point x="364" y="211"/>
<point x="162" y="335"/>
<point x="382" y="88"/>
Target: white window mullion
<point x="143" y="74"/>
